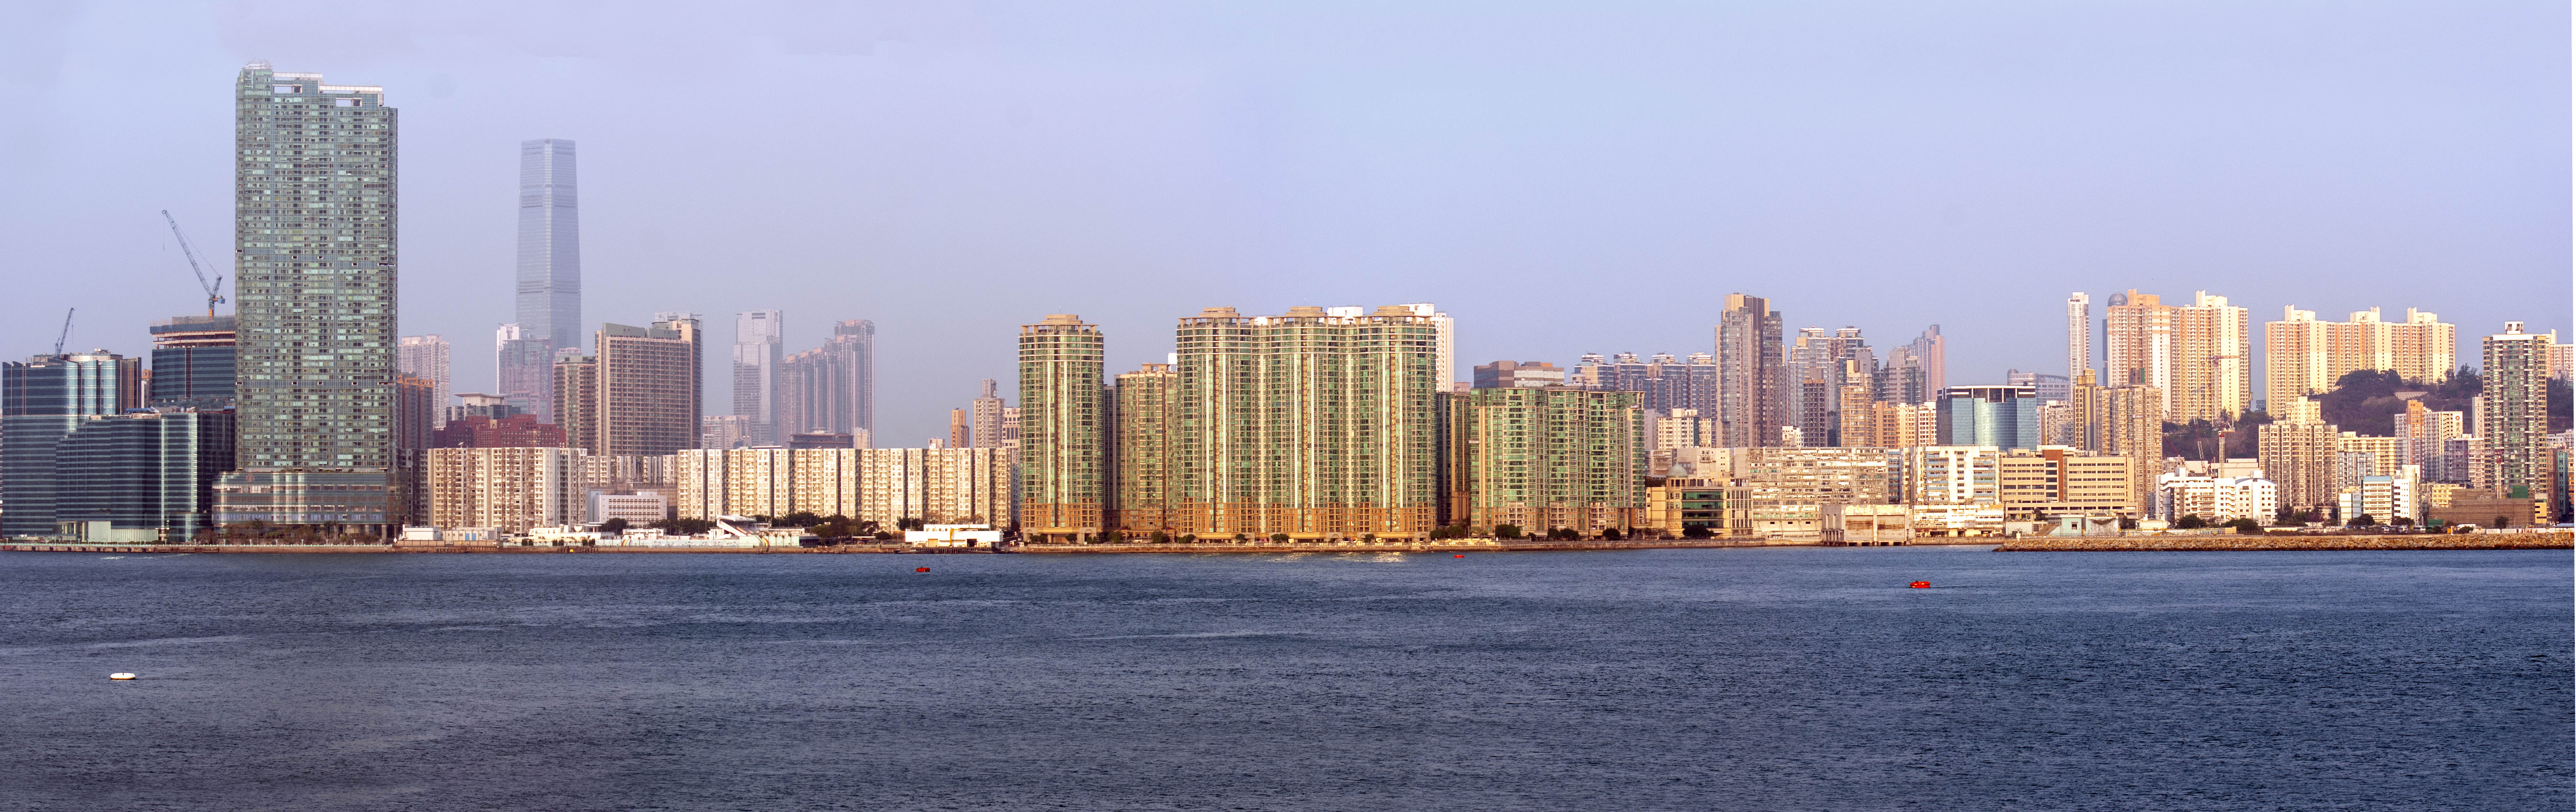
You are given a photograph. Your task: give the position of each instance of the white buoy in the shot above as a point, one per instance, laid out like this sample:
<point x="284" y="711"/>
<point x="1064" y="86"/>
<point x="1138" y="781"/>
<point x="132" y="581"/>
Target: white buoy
<point x="121" y="675"/>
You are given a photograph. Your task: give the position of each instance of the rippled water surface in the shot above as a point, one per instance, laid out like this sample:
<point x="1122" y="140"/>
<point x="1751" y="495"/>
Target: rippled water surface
<point x="1786" y="678"/>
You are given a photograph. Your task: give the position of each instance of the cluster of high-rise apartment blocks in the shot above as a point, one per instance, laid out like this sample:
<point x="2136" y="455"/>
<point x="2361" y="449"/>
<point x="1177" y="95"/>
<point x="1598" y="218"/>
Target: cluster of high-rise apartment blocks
<point x="2497" y="462"/>
<point x="1339" y="424"/>
<point x="305" y="409"/>
<point x="1320" y="423"/>
<point x="1325" y="423"/>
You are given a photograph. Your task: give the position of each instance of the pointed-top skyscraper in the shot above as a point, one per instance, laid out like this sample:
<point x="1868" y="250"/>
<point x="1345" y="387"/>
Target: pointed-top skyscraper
<point x="549" y="288"/>
<point x="549" y="243"/>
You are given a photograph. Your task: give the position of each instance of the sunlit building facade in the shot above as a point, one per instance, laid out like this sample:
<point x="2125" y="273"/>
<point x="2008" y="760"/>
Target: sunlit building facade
<point x="315" y="276"/>
<point x="1308" y="425"/>
<point x="1064" y="431"/>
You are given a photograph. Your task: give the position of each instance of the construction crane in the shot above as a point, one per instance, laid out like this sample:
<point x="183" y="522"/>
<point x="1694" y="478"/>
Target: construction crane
<point x="66" y="336"/>
<point x="213" y="297"/>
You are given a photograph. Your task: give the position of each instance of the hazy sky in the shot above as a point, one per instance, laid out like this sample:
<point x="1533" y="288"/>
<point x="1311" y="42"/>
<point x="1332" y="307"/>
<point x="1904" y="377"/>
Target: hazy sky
<point x="1562" y="178"/>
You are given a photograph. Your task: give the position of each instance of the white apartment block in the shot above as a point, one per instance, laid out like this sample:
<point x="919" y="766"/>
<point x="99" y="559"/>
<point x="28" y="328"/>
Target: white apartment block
<point x="1947" y="475"/>
<point x="637" y="509"/>
<point x="512" y="489"/>
<point x="2218" y="499"/>
<point x="426" y="357"/>
<point x="1705" y="462"/>
<point x="2382" y="498"/>
<point x="2305" y="356"/>
<point x="953" y="485"/>
<point x="516" y="489"/>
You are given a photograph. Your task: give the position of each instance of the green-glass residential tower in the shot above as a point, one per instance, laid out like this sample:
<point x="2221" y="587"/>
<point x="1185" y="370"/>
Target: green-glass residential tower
<point x="1064" y="431"/>
<point x="2514" y="422"/>
<point x="1314" y="424"/>
<point x="1546" y="458"/>
<point x="314" y="246"/>
<point x="1142" y="449"/>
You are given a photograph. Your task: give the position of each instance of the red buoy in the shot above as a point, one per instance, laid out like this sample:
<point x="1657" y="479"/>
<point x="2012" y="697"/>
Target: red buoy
<point x="1460" y="555"/>
<point x="1919" y="585"/>
<point x="921" y="569"/>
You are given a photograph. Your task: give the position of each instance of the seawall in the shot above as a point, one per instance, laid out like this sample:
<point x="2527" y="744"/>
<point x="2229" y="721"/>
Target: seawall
<point x="2547" y="540"/>
<point x="2551" y="540"/>
<point x="1449" y="546"/>
<point x="1453" y="546"/>
<point x="173" y="549"/>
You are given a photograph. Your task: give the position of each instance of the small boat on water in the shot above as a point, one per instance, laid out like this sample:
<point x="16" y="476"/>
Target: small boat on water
<point x="121" y="675"/>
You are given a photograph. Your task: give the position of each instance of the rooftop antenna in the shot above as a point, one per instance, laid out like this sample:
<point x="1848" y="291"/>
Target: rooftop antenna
<point x="213" y="297"/>
<point x="66" y="335"/>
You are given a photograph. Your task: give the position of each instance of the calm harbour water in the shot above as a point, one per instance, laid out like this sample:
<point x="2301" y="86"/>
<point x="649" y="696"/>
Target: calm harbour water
<point x="1783" y="678"/>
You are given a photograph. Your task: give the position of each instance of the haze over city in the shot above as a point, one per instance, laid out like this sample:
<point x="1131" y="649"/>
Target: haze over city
<point x="1560" y="182"/>
<point x="1288" y="406"/>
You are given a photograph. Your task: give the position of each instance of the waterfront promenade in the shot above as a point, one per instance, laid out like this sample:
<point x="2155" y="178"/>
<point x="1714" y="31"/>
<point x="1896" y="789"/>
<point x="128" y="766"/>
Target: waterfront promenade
<point x="2538" y="540"/>
<point x="174" y="549"/>
<point x="1445" y="546"/>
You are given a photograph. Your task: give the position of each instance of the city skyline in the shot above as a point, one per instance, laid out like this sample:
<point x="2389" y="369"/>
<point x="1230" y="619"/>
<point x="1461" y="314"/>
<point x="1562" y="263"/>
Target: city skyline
<point x="2463" y="199"/>
<point x="1494" y="406"/>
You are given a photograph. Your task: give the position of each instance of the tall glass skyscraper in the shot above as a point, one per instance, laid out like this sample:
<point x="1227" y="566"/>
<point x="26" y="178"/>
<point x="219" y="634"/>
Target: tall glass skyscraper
<point x="759" y="347"/>
<point x="549" y="243"/>
<point x="549" y="287"/>
<point x="315" y="252"/>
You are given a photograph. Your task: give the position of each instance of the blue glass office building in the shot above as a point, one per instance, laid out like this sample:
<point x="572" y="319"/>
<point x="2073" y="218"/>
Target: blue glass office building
<point x="148" y="476"/>
<point x="2005" y="417"/>
<point x="192" y="363"/>
<point x="42" y="401"/>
